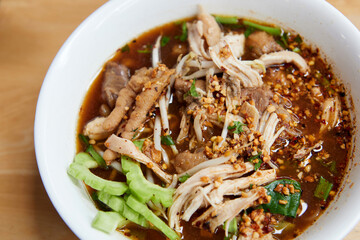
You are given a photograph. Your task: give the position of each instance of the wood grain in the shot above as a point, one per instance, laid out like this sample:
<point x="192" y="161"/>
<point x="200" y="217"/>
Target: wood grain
<point x="31" y="32"/>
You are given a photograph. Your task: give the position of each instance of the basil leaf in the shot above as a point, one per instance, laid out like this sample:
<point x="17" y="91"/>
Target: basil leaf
<point x="167" y="140"/>
<point x="323" y="189"/>
<point x="237" y="126"/>
<point x="184" y="178"/>
<point x="293" y="200"/>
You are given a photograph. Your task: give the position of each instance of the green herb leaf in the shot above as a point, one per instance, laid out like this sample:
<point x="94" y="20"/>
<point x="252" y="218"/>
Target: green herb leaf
<point x="297" y="50"/>
<point x="84" y="140"/>
<point x="226" y="19"/>
<point x="237" y="126"/>
<point x="167" y="140"/>
<point x="184" y="178"/>
<point x="333" y="167"/>
<point x="275" y="31"/>
<point x="183" y="36"/>
<point x="293" y="200"/>
<point x="257" y="163"/>
<point x="97" y="157"/>
<point x="164" y="40"/>
<point x="192" y="91"/>
<point x="323" y="189"/>
<point x="248" y="31"/>
<point x="298" y="39"/>
<point x="125" y="48"/>
<point x="147" y="49"/>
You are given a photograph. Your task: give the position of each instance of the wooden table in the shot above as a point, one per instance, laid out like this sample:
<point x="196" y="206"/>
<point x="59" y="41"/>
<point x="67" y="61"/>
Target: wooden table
<point x="31" y="32"/>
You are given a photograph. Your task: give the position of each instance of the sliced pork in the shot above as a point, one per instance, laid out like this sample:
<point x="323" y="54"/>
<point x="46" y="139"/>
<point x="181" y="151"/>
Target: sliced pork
<point x="116" y="77"/>
<point x="259" y="43"/>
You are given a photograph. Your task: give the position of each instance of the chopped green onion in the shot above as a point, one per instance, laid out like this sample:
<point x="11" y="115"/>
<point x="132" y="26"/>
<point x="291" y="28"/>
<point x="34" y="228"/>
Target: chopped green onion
<point x="164" y="40"/>
<point x="184" y="32"/>
<point x="147" y="49"/>
<point x="237" y="126"/>
<point x="125" y="48"/>
<point x="90" y="149"/>
<point x="275" y="31"/>
<point x="323" y="189"/>
<point x="192" y="91"/>
<point x="84" y="139"/>
<point x="226" y="19"/>
<point x="97" y="157"/>
<point x="333" y="167"/>
<point x="248" y="31"/>
<point x="284" y="39"/>
<point x="297" y="50"/>
<point x="184" y="178"/>
<point x="167" y="140"/>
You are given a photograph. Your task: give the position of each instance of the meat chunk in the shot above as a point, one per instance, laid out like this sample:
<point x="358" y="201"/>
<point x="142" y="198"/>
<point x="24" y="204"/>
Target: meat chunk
<point x="116" y="77"/>
<point x="261" y="96"/>
<point x="199" y="179"/>
<point x="251" y="113"/>
<point x="259" y="43"/>
<point x="94" y="129"/>
<point x="211" y="29"/>
<point x="223" y="56"/>
<point x="182" y="86"/>
<point x="304" y="151"/>
<point x="127" y="99"/>
<point x="149" y="150"/>
<point x="331" y="109"/>
<point x="229" y="209"/>
<point x="281" y="57"/>
<point x="146" y="100"/>
<point x="187" y="160"/>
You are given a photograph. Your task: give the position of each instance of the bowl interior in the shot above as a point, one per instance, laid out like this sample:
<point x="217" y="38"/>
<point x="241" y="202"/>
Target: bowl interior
<point x="117" y="22"/>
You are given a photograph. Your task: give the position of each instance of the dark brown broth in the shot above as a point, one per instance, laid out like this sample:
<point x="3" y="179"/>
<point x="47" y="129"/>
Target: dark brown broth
<point x="290" y="169"/>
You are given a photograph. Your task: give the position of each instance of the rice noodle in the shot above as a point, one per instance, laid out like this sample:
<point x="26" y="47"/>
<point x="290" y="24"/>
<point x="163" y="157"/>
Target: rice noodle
<point x="209" y="163"/>
<point x="165" y="157"/>
<point x="157" y="133"/>
<point x="174" y="181"/>
<point x="164" y="114"/>
<point x="156" y="52"/>
<point x="116" y="165"/>
<point x="198" y="128"/>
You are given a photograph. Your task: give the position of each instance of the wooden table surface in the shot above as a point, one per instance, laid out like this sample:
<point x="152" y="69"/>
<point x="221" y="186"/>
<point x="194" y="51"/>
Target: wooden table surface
<point x="31" y="32"/>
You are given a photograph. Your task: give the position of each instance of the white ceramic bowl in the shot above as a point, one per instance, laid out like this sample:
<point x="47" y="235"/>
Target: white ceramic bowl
<point x="111" y="26"/>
